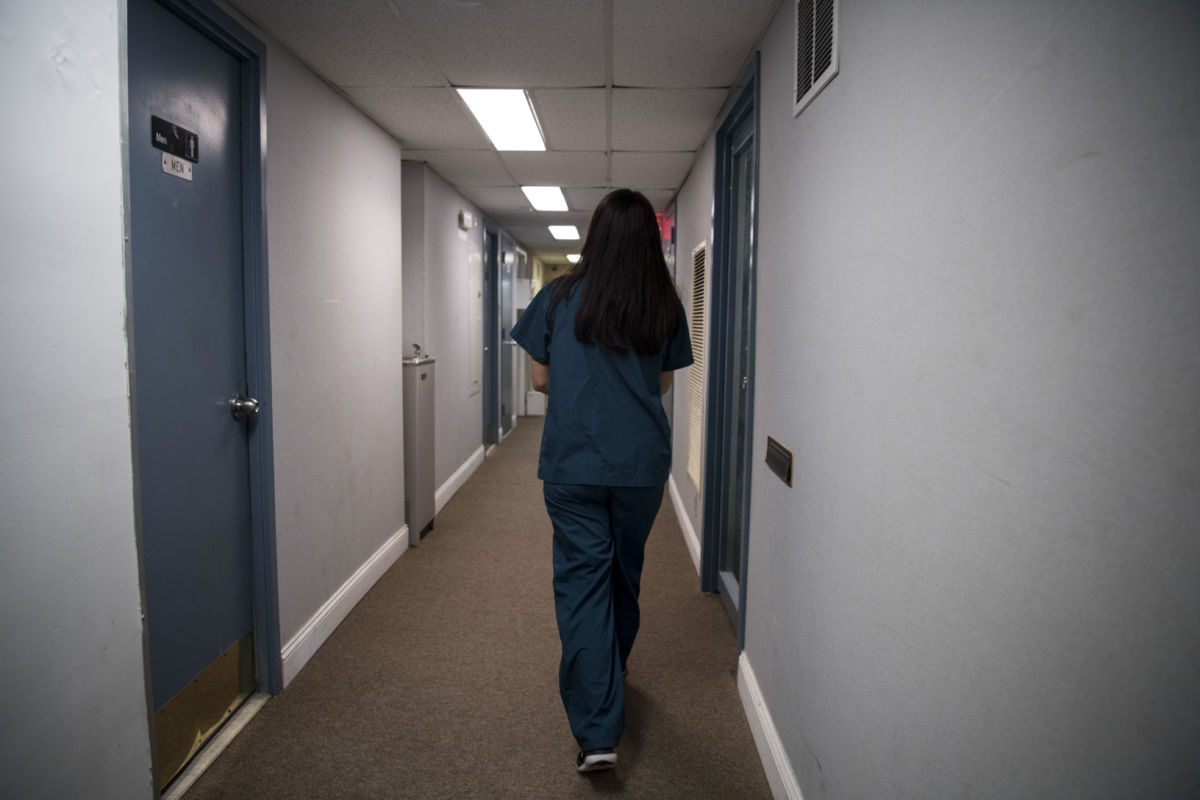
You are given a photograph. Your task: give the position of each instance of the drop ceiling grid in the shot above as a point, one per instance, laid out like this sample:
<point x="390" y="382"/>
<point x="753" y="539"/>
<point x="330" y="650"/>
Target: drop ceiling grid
<point x="423" y="119"/>
<point x="659" y="198"/>
<point x="515" y="44"/>
<point x="557" y="169"/>
<point x="464" y="167"/>
<point x="572" y="119"/>
<point x="664" y="120"/>
<point x="585" y="198"/>
<point x="348" y="42"/>
<point x="671" y="61"/>
<point x="651" y="170"/>
<point x="673" y="44"/>
<point x="496" y="198"/>
<point x="540" y="235"/>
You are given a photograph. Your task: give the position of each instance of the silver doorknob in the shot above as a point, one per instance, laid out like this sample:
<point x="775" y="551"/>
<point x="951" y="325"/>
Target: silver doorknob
<point x="242" y="408"/>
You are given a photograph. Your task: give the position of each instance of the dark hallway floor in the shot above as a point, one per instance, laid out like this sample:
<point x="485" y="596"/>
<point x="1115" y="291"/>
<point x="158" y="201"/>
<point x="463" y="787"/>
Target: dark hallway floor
<point x="442" y="683"/>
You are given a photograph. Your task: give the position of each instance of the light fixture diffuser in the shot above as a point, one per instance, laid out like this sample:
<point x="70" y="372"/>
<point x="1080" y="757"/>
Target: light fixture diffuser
<point x="545" y="198"/>
<point x="506" y="116"/>
<point x="573" y="258"/>
<point x="564" y="231"/>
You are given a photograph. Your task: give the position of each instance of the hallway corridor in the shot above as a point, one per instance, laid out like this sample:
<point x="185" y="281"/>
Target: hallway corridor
<point x="442" y="681"/>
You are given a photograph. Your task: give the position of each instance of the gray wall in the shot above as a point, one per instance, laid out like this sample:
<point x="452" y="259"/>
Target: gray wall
<point x="334" y="233"/>
<point x="977" y="329"/>
<point x="437" y="271"/>
<point x="73" y="708"/>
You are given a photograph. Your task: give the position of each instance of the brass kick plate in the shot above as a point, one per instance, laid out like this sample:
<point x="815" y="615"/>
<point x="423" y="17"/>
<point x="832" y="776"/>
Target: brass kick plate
<point x="190" y="718"/>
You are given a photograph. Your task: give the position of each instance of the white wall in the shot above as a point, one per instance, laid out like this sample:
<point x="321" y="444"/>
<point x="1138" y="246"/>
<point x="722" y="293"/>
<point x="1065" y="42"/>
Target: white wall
<point x="440" y="266"/>
<point x="334" y="237"/>
<point x="693" y="225"/>
<point x="977" y="330"/>
<point x="73" y="708"/>
<point x="413" y="227"/>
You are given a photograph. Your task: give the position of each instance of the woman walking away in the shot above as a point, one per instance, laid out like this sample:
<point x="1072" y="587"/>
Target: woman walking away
<point x="608" y="334"/>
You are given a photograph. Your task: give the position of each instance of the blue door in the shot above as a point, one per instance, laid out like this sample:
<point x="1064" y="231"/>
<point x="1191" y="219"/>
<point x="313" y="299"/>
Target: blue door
<point x="730" y="426"/>
<point x="739" y="337"/>
<point x="189" y="361"/>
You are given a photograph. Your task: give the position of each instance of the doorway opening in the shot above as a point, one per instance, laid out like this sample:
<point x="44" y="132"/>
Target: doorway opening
<point x="730" y="429"/>
<point x="491" y="343"/>
<point x="199" y="372"/>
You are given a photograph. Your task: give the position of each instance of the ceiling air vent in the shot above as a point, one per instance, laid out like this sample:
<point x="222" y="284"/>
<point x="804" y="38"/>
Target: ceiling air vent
<point x="816" y="49"/>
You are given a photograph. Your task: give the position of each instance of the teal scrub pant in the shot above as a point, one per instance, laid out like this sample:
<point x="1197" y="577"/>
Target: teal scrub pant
<point x="599" y="546"/>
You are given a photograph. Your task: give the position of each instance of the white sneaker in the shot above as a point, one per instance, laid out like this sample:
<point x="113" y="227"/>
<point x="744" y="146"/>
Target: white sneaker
<point x="595" y="760"/>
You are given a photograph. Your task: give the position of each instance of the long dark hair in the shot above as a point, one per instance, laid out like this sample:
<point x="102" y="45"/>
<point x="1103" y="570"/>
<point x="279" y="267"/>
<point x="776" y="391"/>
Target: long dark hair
<point x="628" y="298"/>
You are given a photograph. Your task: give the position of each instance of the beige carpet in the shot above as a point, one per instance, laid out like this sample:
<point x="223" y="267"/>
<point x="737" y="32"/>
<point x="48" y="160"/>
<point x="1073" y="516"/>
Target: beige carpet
<point x="442" y="683"/>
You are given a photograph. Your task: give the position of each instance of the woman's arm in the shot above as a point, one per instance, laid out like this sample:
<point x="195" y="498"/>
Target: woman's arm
<point x="540" y="374"/>
<point x="664" y="381"/>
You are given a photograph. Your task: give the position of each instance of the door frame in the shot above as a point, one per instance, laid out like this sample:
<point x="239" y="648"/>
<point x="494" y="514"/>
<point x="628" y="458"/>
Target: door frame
<point x="506" y="266"/>
<point x="251" y="54"/>
<point x="744" y="101"/>
<point x="491" y="338"/>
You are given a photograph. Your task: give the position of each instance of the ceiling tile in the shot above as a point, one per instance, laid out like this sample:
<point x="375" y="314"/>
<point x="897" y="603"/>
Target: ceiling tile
<point x="464" y="167"/>
<point x="590" y="197"/>
<point x="496" y="198"/>
<point x="537" y="236"/>
<point x="423" y="119"/>
<point x="664" y="119"/>
<point x="657" y="170"/>
<point x="557" y="169"/>
<point x="349" y="42"/>
<point x="572" y="119"/>
<point x="514" y="219"/>
<point x="655" y="45"/>
<point x="541" y="220"/>
<point x="511" y="43"/>
<point x="659" y="198"/>
<point x="585" y="197"/>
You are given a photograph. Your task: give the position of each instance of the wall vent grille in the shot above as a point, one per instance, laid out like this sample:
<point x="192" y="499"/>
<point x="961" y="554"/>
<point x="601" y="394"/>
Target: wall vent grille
<point x="524" y="265"/>
<point x="816" y="49"/>
<point x="697" y="374"/>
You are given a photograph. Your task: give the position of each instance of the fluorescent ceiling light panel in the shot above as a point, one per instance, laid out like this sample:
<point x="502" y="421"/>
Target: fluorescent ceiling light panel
<point x="545" y="198"/>
<point x="564" y="231"/>
<point x="573" y="258"/>
<point x="506" y="117"/>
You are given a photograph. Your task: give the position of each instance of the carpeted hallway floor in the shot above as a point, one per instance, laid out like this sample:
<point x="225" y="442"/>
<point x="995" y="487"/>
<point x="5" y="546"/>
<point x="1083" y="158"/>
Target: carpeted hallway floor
<point x="442" y="683"/>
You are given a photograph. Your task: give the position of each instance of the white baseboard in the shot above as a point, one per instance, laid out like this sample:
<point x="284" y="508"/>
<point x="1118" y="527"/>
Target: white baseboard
<point x="456" y="481"/>
<point x="309" y="639"/>
<point x="685" y="524"/>
<point x="775" y="761"/>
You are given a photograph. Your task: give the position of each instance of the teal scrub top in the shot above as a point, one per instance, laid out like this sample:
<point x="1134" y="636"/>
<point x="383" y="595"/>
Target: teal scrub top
<point x="605" y="422"/>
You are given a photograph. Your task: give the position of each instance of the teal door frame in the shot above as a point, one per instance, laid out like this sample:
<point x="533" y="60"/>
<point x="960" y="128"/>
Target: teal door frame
<point x="251" y="55"/>
<point x="719" y="477"/>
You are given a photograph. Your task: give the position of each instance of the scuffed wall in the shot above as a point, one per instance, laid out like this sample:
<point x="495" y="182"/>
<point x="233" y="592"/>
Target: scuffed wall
<point x="977" y="327"/>
<point x="74" y="721"/>
<point x="334" y="239"/>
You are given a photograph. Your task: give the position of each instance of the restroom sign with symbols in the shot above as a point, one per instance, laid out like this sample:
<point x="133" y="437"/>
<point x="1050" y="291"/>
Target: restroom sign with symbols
<point x="181" y="147"/>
